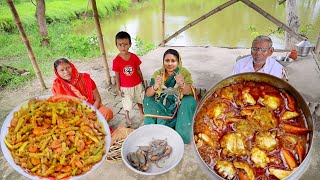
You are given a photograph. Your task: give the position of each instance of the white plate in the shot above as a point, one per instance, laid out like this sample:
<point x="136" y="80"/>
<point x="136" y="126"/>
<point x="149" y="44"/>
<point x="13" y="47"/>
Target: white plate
<point x="143" y="136"/>
<point x="7" y="154"/>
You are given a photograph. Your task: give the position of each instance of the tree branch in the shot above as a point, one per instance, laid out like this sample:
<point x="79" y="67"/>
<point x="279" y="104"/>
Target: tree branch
<point x="33" y="3"/>
<point x="281" y="1"/>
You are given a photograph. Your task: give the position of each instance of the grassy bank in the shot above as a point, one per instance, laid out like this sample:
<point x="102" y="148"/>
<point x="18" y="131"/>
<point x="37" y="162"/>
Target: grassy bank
<point x="63" y="43"/>
<point x="58" y="11"/>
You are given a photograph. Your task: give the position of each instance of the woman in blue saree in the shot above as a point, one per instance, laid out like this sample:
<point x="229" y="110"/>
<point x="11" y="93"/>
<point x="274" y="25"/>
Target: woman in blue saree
<point x="170" y="99"/>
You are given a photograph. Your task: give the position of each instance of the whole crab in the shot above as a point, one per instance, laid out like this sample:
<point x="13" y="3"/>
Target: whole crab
<point x="166" y="91"/>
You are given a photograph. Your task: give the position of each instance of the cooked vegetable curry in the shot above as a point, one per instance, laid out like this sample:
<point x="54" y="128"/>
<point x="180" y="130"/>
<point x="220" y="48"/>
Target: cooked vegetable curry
<point x="251" y="130"/>
<point x="57" y="137"/>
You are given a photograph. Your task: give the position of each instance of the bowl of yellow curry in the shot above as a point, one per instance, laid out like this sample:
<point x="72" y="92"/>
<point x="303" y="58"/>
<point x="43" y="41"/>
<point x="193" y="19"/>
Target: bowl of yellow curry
<point x="55" y="137"/>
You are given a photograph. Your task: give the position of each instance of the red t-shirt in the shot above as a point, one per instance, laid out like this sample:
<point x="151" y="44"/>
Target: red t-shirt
<point x="94" y="86"/>
<point x="127" y="70"/>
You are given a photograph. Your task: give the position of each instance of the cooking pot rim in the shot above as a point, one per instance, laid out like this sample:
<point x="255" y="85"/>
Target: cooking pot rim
<point x="277" y="82"/>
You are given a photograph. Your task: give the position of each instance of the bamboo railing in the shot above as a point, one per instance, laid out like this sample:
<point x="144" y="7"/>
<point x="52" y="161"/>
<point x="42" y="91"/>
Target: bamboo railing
<point x="229" y="3"/>
<point x="100" y="38"/>
<point x="272" y="19"/>
<point x="219" y="8"/>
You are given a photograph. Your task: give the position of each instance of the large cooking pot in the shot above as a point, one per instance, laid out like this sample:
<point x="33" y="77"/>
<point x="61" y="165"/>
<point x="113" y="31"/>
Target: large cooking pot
<point x="279" y="83"/>
<point x="304" y="47"/>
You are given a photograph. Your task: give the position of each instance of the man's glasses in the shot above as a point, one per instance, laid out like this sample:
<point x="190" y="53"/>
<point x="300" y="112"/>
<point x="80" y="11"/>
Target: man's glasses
<point x="254" y="49"/>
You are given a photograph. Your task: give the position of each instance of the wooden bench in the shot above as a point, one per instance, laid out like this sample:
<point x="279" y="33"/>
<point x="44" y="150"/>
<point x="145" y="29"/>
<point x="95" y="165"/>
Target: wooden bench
<point x="199" y="91"/>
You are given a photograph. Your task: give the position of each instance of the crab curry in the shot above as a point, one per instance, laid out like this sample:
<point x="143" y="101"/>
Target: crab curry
<point x="251" y="130"/>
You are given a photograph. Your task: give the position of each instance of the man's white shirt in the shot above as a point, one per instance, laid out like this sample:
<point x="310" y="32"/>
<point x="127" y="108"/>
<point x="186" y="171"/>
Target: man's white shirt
<point x="271" y="67"/>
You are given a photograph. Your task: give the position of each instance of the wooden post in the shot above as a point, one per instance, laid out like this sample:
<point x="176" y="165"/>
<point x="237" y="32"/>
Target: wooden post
<point x="219" y="8"/>
<point x="100" y="38"/>
<point x="163" y="22"/>
<point x="272" y="19"/>
<point x="26" y="43"/>
<point x="41" y="20"/>
<point x="317" y="49"/>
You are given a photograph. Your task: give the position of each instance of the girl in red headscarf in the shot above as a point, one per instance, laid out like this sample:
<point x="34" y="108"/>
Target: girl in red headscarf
<point x="70" y="82"/>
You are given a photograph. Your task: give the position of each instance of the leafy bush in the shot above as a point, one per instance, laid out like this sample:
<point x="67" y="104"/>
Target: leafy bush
<point x="143" y="47"/>
<point x="79" y="45"/>
<point x="306" y="29"/>
<point x="253" y="30"/>
<point x="5" y="77"/>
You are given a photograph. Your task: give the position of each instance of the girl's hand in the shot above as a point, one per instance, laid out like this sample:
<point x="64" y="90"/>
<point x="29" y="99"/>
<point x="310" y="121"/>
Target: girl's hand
<point x="180" y="80"/>
<point x="157" y="82"/>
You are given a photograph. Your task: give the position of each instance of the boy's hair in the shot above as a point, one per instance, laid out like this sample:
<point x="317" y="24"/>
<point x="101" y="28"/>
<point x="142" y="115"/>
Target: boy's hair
<point x="59" y="61"/>
<point x="123" y="35"/>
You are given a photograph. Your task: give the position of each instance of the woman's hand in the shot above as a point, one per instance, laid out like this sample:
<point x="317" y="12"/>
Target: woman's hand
<point x="180" y="81"/>
<point x="157" y="82"/>
<point x="96" y="98"/>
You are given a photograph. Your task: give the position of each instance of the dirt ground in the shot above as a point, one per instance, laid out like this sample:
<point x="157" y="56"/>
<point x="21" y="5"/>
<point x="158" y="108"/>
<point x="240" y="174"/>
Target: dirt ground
<point x="304" y="76"/>
<point x="10" y="99"/>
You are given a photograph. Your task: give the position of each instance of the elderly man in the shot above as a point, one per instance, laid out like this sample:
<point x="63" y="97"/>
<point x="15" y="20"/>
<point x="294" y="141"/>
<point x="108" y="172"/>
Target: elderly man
<point x="260" y="60"/>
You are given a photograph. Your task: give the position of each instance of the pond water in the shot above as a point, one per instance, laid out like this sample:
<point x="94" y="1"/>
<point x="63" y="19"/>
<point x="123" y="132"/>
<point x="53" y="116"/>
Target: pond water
<point x="227" y="28"/>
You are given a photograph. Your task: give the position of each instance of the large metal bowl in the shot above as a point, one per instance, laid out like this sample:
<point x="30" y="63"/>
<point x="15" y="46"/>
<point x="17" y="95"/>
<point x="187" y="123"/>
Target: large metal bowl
<point x="277" y="82"/>
<point x="284" y="61"/>
<point x="143" y="136"/>
<point x="9" y="158"/>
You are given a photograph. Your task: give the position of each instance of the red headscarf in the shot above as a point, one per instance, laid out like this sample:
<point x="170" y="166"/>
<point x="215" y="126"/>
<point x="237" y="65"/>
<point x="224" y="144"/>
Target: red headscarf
<point x="79" y="81"/>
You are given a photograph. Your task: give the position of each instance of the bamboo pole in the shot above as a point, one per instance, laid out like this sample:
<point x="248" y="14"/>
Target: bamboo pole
<point x="281" y="2"/>
<point x="219" y="8"/>
<point x="272" y="19"/>
<point x="317" y="48"/>
<point x="86" y="13"/>
<point x="100" y="38"/>
<point x="26" y="43"/>
<point x="163" y="21"/>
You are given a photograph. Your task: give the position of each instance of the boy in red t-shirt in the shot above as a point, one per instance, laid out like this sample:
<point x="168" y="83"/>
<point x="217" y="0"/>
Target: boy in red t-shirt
<point x="129" y="77"/>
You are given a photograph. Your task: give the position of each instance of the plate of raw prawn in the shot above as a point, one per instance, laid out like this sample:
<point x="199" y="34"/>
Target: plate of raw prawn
<point x="55" y="137"/>
<point x="152" y="150"/>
